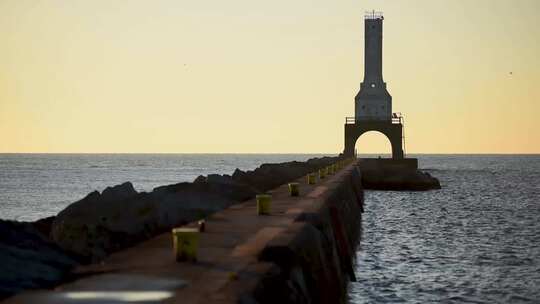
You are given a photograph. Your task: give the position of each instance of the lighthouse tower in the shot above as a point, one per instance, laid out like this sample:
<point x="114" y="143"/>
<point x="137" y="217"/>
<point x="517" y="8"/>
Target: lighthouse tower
<point x="373" y="102"/>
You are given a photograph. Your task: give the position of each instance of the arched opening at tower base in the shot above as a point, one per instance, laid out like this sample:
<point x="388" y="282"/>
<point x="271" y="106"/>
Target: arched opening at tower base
<point x="373" y="144"/>
<point x="393" y="131"/>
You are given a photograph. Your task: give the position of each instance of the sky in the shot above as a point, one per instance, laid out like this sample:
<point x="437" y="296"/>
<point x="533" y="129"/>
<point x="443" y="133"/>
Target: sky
<point x="245" y="76"/>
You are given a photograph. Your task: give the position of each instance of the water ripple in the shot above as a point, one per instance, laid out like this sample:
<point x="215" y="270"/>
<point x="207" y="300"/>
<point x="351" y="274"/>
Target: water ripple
<point x="475" y="241"/>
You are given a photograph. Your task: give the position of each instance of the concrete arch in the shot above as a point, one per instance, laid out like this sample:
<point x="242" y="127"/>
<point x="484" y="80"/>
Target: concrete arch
<point x="380" y="142"/>
<point x="392" y="131"/>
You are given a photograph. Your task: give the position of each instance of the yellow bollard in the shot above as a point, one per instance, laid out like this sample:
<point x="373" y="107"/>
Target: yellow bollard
<point x="185" y="243"/>
<point x="322" y="173"/>
<point x="294" y="189"/>
<point x="264" y="204"/>
<point x="330" y="170"/>
<point x="311" y="179"/>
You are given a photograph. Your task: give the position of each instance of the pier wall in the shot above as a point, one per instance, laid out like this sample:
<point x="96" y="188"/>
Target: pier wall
<point x="312" y="261"/>
<point x="410" y="164"/>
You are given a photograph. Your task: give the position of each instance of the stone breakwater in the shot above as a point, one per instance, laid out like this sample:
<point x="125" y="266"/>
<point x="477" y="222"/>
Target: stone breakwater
<point x="301" y="252"/>
<point x="119" y="217"/>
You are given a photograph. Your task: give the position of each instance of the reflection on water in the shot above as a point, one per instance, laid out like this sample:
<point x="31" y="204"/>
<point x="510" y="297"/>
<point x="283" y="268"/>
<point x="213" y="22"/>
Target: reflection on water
<point x="475" y="241"/>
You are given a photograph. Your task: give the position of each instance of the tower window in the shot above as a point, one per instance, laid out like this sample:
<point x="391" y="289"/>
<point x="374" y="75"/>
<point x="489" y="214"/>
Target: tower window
<point x="372" y="85"/>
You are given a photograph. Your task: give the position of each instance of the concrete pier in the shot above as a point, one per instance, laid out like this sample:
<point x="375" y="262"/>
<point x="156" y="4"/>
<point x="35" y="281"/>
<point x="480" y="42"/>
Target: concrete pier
<point x="300" y="253"/>
<point x="410" y="164"/>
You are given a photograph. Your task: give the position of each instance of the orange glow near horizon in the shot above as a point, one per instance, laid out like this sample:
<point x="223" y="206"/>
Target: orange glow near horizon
<point x="263" y="77"/>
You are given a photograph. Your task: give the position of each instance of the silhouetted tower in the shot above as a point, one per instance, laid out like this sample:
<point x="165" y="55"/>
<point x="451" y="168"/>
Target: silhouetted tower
<point x="373" y="102"/>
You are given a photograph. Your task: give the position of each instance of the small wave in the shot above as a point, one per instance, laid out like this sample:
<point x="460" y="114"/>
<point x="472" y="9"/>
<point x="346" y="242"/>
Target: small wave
<point x="519" y="298"/>
<point x="415" y="260"/>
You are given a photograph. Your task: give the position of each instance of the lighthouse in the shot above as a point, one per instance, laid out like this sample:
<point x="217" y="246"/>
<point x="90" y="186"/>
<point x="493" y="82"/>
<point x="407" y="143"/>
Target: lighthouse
<point x="373" y="102"/>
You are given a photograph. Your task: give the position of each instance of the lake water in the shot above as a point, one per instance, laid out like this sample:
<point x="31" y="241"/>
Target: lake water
<point x="475" y="241"/>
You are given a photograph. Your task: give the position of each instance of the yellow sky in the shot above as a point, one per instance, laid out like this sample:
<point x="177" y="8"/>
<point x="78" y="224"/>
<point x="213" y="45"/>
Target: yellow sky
<point x="263" y="76"/>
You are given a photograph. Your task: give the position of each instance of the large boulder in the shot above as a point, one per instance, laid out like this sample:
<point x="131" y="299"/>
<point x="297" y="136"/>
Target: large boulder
<point x="29" y="259"/>
<point x="96" y="223"/>
<point x="120" y="217"/>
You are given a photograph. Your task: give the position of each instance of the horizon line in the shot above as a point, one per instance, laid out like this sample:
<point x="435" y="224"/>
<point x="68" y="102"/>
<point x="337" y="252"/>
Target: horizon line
<point x="264" y="153"/>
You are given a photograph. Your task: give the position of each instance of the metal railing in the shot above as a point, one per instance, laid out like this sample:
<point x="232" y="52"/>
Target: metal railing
<point x="397" y="118"/>
<point x="373" y="15"/>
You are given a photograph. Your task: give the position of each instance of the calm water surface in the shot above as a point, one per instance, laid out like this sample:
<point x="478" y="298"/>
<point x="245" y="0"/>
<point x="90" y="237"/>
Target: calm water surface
<point x="475" y="241"/>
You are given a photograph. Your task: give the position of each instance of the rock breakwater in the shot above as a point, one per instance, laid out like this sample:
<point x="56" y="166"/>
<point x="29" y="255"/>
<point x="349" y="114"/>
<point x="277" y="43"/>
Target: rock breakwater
<point x="119" y="217"/>
<point x="29" y="259"/>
